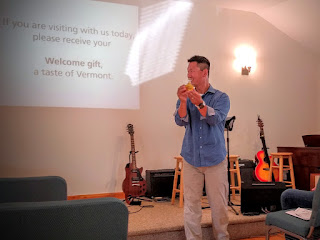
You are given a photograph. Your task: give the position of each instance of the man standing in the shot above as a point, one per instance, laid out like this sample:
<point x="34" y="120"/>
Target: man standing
<point x="203" y="111"/>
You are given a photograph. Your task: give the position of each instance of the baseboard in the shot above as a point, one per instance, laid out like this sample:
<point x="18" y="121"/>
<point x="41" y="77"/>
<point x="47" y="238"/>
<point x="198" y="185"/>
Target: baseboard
<point x="119" y="195"/>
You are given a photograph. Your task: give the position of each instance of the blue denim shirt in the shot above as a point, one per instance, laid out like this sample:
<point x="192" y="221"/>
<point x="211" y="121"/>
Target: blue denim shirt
<point x="204" y="143"/>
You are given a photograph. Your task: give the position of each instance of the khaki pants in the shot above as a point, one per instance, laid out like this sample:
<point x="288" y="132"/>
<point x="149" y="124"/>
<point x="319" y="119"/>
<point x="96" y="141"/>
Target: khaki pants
<point x="216" y="179"/>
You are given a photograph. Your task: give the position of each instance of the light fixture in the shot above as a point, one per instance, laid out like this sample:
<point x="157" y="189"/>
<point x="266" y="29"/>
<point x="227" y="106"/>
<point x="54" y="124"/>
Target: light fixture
<point x="245" y="70"/>
<point x="245" y="61"/>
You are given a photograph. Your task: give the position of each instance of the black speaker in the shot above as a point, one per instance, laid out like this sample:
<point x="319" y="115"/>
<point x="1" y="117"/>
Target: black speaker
<point x="159" y="182"/>
<point x="260" y="197"/>
<point x="246" y="170"/>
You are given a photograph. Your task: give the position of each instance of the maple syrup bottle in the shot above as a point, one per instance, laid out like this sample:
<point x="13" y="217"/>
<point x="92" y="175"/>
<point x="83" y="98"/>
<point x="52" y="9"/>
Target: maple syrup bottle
<point x="189" y="86"/>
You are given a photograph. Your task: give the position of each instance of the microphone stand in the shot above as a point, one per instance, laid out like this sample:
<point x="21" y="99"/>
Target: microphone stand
<point x="229" y="126"/>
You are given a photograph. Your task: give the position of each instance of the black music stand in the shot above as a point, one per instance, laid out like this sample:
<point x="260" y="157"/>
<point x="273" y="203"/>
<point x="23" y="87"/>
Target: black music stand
<point x="229" y="126"/>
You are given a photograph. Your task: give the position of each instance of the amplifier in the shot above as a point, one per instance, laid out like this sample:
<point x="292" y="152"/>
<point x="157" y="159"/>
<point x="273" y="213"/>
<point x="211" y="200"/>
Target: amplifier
<point x="259" y="197"/>
<point x="159" y="182"/>
<point x="246" y="170"/>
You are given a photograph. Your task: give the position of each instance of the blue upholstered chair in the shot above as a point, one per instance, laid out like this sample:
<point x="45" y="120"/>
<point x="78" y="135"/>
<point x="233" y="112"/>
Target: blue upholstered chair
<point x="36" y="208"/>
<point x="33" y="189"/>
<point x="296" y="227"/>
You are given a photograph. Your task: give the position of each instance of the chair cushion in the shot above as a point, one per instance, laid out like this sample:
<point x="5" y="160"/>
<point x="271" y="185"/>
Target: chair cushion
<point x="290" y="223"/>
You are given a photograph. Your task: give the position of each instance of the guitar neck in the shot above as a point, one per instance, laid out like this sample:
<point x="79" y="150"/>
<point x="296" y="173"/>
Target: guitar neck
<point x="133" y="152"/>
<point x="266" y="156"/>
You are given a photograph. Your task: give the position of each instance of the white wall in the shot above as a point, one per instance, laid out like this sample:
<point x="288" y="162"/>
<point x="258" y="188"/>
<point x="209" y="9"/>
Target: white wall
<point x="90" y="147"/>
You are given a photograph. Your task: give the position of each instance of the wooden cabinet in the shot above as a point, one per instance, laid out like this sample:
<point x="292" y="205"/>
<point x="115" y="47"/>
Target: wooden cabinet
<point x="306" y="160"/>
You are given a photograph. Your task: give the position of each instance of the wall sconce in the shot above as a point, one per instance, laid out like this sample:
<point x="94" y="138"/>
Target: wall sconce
<point x="245" y="70"/>
<point x="245" y="61"/>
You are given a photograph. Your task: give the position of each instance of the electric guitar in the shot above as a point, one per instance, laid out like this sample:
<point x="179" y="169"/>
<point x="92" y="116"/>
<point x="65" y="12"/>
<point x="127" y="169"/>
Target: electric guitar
<point x="133" y="185"/>
<point x="263" y="160"/>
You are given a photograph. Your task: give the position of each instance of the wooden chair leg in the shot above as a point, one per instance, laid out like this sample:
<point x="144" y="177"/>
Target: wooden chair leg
<point x="232" y="180"/>
<point x="271" y="169"/>
<point x="175" y="189"/>
<point x="293" y="183"/>
<point x="281" y="169"/>
<point x="238" y="177"/>
<point x="175" y="183"/>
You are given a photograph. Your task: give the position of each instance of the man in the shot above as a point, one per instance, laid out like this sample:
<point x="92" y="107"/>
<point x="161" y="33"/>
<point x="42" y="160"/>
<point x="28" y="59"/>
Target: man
<point x="203" y="111"/>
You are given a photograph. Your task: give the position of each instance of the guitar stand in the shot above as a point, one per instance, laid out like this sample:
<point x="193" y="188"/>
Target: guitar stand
<point x="136" y="202"/>
<point x="229" y="126"/>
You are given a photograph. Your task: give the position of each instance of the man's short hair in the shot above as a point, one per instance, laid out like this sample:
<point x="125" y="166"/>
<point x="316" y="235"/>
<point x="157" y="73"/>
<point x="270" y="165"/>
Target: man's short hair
<point x="203" y="62"/>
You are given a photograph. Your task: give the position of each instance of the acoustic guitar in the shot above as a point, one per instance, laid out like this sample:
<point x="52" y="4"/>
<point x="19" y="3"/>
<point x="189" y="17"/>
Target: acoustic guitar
<point x="133" y="185"/>
<point x="263" y="160"/>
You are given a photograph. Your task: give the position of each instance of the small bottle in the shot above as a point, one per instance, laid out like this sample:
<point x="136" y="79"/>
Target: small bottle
<point x="189" y="86"/>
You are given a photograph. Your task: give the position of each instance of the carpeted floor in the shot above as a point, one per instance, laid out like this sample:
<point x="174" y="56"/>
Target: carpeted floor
<point x="161" y="220"/>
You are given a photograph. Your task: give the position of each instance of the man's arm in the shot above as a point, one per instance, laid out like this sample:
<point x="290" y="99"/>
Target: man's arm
<point x="182" y="110"/>
<point x="220" y="109"/>
<point x="183" y="96"/>
<point x="181" y="115"/>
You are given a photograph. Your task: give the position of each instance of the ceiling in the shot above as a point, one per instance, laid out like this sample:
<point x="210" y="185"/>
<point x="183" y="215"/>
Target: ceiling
<point x="299" y="19"/>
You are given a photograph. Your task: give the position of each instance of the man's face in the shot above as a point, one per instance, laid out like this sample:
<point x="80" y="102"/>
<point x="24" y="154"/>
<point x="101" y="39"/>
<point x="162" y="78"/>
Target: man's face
<point x="195" y="74"/>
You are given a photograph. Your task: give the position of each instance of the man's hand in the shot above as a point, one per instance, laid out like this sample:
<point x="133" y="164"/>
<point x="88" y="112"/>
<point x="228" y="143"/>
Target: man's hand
<point x="182" y="93"/>
<point x="195" y="97"/>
